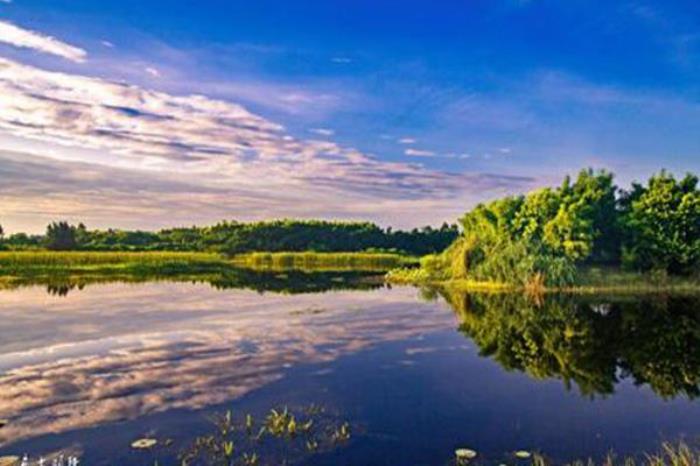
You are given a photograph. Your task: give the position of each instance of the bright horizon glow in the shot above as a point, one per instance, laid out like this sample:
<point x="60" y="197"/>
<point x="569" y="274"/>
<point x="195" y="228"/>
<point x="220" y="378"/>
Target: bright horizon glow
<point x="144" y="115"/>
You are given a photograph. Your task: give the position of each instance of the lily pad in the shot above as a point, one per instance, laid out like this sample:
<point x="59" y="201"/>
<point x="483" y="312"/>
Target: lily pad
<point x="144" y="443"/>
<point x="9" y="460"/>
<point x="465" y="454"/>
<point x="523" y="454"/>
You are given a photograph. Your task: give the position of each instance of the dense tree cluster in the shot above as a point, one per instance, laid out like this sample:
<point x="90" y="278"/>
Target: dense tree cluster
<point x="543" y="235"/>
<point x="239" y="237"/>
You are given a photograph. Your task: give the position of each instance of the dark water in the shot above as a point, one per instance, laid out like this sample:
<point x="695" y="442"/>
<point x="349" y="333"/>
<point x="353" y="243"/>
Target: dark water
<point x="417" y="374"/>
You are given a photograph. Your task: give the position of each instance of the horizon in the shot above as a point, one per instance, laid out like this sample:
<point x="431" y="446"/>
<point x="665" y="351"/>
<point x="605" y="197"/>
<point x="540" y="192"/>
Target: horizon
<point x="151" y="115"/>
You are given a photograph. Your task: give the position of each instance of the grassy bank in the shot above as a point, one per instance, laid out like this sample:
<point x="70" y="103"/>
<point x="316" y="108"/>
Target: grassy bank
<point x="588" y="280"/>
<point x="322" y="261"/>
<point x="28" y="264"/>
<point x="45" y="263"/>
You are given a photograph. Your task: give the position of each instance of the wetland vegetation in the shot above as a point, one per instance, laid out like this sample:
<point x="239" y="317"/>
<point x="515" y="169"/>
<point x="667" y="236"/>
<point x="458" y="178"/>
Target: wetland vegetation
<point x="555" y="237"/>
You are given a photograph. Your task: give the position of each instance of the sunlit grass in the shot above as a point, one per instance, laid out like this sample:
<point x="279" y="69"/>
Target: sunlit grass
<point x="75" y="258"/>
<point x="33" y="263"/>
<point x="322" y="260"/>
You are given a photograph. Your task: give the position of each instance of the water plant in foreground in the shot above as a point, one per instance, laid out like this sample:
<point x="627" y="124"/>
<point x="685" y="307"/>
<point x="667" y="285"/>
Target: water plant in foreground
<point x="280" y="437"/>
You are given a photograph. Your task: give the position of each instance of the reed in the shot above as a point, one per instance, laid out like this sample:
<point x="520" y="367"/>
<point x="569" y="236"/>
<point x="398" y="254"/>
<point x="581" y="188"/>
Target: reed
<point x="321" y="261"/>
<point x="32" y="263"/>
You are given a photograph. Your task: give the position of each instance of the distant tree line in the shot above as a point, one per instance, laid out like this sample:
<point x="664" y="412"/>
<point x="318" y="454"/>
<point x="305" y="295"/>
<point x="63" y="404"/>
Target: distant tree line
<point x="238" y="237"/>
<point x="547" y="233"/>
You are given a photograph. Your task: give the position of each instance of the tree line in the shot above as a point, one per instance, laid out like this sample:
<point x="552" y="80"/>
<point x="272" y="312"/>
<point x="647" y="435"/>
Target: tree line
<point x="543" y="236"/>
<point x="231" y="237"/>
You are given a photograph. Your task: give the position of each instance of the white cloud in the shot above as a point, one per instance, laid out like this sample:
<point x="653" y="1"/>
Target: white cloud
<point x="24" y="38"/>
<point x="341" y="60"/>
<point x="407" y="141"/>
<point x="107" y="44"/>
<point x="152" y="71"/>
<point x="322" y="131"/>
<point x="505" y="150"/>
<point x="199" y="160"/>
<point x="419" y="153"/>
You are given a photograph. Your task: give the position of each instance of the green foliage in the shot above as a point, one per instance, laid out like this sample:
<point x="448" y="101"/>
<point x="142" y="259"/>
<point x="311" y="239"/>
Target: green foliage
<point x="542" y="237"/>
<point x="662" y="224"/>
<point x="236" y="238"/>
<point x="283" y="437"/>
<point x="60" y="236"/>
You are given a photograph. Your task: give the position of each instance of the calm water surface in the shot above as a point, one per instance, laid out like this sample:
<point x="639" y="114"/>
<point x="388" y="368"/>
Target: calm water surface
<point x="416" y="374"/>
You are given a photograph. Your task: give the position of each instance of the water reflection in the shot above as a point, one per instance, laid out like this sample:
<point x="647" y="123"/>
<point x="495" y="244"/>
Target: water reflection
<point x="89" y="354"/>
<point x="117" y="352"/>
<point x="276" y="281"/>
<point x="593" y="342"/>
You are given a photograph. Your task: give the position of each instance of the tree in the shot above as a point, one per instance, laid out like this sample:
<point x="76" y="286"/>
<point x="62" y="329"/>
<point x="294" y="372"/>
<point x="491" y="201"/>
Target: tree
<point x="60" y="236"/>
<point x="2" y="233"/>
<point x="662" y="225"/>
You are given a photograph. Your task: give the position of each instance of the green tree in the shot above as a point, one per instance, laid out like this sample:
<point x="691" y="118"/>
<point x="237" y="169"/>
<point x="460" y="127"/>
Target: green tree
<point x="662" y="225"/>
<point x="60" y="236"/>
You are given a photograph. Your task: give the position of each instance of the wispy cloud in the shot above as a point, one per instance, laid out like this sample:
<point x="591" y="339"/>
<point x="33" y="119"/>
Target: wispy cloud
<point x="419" y="153"/>
<point x="202" y="157"/>
<point x="407" y="141"/>
<point x="24" y="38"/>
<point x="152" y="71"/>
<point x="322" y="131"/>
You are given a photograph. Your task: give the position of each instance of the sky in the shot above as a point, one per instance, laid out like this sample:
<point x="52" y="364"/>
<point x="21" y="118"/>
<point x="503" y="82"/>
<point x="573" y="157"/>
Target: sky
<point x="150" y="114"/>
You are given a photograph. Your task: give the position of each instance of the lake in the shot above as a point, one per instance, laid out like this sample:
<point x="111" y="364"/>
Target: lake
<point x="416" y="373"/>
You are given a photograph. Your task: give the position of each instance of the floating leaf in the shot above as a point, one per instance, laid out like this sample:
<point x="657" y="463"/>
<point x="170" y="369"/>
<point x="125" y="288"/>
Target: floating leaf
<point x="523" y="454"/>
<point x="9" y="460"/>
<point x="465" y="454"/>
<point x="144" y="443"/>
<point x="4" y="422"/>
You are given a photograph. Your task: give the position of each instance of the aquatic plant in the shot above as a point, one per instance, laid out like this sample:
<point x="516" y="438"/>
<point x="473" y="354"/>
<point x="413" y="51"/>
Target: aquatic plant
<point x="284" y="435"/>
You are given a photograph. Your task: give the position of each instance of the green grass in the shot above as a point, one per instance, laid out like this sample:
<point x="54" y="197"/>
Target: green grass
<point x="322" y="261"/>
<point x="41" y="263"/>
<point x="15" y="265"/>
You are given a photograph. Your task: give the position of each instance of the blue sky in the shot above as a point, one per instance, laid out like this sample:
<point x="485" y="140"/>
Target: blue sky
<point x="400" y="112"/>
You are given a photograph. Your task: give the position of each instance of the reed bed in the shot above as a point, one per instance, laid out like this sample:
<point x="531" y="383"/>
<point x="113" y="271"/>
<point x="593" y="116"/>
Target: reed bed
<point x="321" y="261"/>
<point x="28" y="263"/>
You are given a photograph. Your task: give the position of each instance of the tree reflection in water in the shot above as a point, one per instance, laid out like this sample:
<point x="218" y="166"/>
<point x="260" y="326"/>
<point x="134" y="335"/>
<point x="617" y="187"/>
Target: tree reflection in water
<point x="591" y="341"/>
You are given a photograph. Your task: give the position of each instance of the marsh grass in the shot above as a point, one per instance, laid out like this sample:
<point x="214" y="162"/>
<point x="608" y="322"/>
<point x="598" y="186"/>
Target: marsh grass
<point x="44" y="263"/>
<point x="322" y="261"/>
<point x="680" y="454"/>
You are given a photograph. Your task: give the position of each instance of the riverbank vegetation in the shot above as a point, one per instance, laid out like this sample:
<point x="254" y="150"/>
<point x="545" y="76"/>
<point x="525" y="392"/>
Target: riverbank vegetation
<point x="549" y="237"/>
<point x="40" y="263"/>
<point x="322" y="261"/>
<point x="288" y="273"/>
